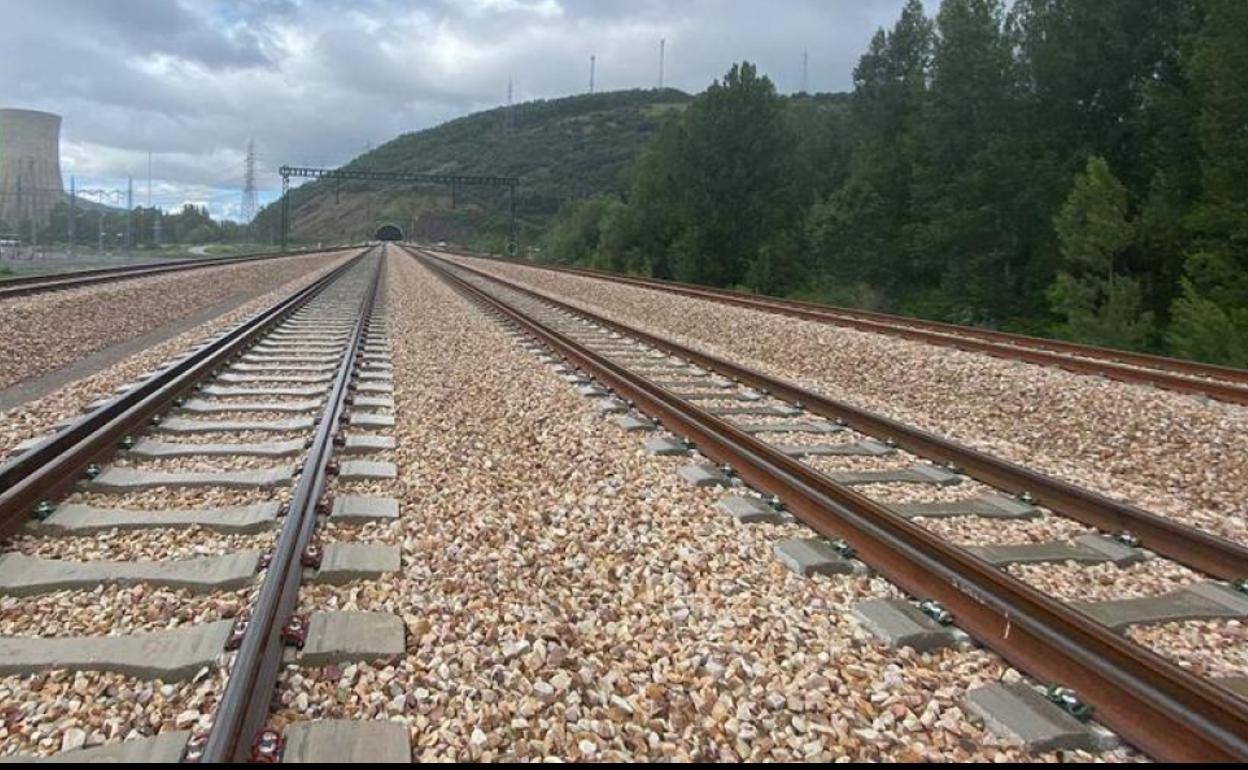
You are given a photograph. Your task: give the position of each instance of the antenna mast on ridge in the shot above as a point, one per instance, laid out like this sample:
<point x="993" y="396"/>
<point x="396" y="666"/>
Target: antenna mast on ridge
<point x="662" y="46"/>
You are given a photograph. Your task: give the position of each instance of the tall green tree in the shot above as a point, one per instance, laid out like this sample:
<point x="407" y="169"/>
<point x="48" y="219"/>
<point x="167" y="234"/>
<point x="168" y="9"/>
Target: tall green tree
<point x="856" y="232"/>
<point x="1099" y="304"/>
<point x="734" y="179"/>
<point x="975" y="214"/>
<point x="1210" y="318"/>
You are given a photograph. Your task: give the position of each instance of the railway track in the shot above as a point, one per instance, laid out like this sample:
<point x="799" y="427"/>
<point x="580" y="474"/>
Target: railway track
<point x="38" y="284"/>
<point x="1216" y="382"/>
<point x="220" y="464"/>
<point x="838" y="472"/>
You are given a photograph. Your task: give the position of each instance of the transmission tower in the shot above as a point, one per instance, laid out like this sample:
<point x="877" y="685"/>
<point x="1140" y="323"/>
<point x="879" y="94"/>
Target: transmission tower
<point x="593" y="60"/>
<point x="249" y="183"/>
<point x="805" y="70"/>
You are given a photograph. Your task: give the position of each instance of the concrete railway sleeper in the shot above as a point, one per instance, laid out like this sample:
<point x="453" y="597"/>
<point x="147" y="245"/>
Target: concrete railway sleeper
<point x="251" y="505"/>
<point x="1150" y="701"/>
<point x="1193" y="377"/>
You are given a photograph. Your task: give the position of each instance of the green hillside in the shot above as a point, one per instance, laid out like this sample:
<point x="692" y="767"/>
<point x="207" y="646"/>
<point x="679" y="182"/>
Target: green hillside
<point x="558" y="148"/>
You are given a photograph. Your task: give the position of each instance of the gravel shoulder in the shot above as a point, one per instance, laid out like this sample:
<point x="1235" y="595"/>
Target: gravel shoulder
<point x="38" y="416"/>
<point x="47" y="331"/>
<point x="566" y="596"/>
<point x="1176" y="455"/>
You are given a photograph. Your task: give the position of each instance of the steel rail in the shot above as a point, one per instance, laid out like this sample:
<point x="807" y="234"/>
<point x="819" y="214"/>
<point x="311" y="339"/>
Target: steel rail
<point x="1192" y="547"/>
<point x="1154" y="704"/>
<point x="53" y="466"/>
<point x="1221" y="383"/>
<point x="48" y="282"/>
<point x="245" y="702"/>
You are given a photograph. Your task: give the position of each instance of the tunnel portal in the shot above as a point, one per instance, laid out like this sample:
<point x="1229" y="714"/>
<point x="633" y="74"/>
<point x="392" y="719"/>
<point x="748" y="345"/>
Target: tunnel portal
<point x="389" y="233"/>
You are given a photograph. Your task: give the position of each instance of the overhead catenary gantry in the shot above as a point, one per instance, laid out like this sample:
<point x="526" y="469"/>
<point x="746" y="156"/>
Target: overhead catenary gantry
<point x="339" y="174"/>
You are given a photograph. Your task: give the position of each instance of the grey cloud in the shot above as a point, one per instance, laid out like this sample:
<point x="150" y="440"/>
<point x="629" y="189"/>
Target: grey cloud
<point x="313" y="81"/>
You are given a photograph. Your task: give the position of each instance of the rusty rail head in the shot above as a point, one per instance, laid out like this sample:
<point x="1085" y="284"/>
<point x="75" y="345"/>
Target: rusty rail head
<point x="52" y="467"/>
<point x="1222" y="383"/>
<point x="248" y="694"/>
<point x="1156" y="705"/>
<point x="1197" y="549"/>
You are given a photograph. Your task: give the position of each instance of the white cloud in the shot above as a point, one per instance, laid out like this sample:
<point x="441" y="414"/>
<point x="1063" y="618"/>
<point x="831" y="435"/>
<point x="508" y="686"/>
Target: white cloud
<point x="313" y="82"/>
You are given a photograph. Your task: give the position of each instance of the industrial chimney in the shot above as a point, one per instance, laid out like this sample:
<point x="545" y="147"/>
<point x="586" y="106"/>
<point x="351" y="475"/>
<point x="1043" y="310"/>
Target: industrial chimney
<point x="30" y="166"/>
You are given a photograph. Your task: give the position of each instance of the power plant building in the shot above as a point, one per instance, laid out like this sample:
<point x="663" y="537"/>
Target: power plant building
<point x="30" y="166"/>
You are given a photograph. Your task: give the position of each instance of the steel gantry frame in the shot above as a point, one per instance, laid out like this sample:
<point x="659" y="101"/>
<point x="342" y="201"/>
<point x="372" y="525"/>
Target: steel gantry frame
<point x="340" y="174"/>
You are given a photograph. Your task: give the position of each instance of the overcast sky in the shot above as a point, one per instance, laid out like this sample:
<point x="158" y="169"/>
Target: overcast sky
<point x="317" y="81"/>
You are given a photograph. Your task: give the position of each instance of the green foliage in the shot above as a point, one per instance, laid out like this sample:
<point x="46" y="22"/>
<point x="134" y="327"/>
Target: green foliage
<point x="1072" y="167"/>
<point x="192" y="225"/>
<point x="1210" y="317"/>
<point x="1092" y="225"/>
<point x="575" y="235"/>
<point x="1102" y="312"/>
<point x="560" y="149"/>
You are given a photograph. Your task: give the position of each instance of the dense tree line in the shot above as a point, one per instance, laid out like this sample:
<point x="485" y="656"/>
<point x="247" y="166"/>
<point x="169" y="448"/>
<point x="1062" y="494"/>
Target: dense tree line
<point x="1069" y="167"/>
<point x="189" y="225"/>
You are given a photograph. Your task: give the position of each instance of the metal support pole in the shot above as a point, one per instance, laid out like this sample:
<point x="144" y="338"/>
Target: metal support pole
<point x="72" y="228"/>
<point x="285" y="208"/>
<point x="129" y="211"/>
<point x="512" y="189"/>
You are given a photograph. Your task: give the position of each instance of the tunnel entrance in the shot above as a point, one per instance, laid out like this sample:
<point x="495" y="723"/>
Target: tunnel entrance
<point x="389" y="233"/>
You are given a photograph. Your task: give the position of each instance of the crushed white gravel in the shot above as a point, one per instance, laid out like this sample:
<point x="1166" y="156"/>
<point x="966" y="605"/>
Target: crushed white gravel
<point x="567" y="597"/>
<point x="45" y="331"/>
<point x="37" y="417"/>
<point x="1177" y="455"/>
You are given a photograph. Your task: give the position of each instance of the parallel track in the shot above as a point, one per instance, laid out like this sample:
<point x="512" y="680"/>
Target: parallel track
<point x="1217" y="382"/>
<point x="1151" y="702"/>
<point x="54" y="467"/>
<point x="39" y="284"/>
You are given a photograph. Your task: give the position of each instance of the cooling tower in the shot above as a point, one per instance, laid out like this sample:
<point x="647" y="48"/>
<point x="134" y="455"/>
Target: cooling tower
<point x="30" y="166"/>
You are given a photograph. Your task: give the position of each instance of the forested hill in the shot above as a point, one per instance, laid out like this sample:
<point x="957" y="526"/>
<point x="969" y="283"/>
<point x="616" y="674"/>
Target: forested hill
<point x="559" y="148"/>
<point x="1068" y="167"/>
